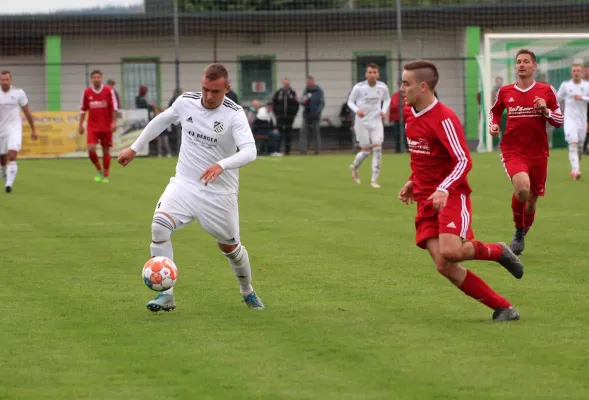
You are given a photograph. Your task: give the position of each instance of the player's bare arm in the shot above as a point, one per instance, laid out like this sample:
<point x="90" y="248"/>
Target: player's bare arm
<point x="406" y="193"/>
<point x="29" y="116"/>
<point x="81" y="126"/>
<point x="494" y="131"/>
<point x="113" y="125"/>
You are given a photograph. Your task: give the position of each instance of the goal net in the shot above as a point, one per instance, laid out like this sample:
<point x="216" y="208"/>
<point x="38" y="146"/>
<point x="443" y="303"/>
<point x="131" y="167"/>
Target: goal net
<point x="555" y="53"/>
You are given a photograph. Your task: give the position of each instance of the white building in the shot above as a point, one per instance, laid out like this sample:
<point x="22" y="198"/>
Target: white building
<point x="54" y="55"/>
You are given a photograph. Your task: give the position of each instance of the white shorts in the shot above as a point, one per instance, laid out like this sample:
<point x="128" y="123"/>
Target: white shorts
<point x="575" y="132"/>
<point x="368" y="135"/>
<point x="217" y="214"/>
<point x="12" y="141"/>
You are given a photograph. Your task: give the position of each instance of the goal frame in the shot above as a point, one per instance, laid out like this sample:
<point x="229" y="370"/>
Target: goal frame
<point x="487" y="71"/>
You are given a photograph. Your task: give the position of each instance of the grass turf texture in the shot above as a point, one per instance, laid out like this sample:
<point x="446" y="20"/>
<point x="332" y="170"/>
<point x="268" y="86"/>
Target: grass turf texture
<point x="354" y="309"/>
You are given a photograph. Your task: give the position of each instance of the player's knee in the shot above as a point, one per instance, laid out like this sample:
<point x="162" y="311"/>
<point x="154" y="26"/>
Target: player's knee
<point x="366" y="149"/>
<point x="228" y="249"/>
<point x="521" y="186"/>
<point x="522" y="192"/>
<point x="451" y="255"/>
<point x="161" y="229"/>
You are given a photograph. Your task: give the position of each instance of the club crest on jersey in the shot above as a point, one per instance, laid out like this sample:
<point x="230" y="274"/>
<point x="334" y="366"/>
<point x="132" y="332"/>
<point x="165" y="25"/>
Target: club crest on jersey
<point x="218" y="127"/>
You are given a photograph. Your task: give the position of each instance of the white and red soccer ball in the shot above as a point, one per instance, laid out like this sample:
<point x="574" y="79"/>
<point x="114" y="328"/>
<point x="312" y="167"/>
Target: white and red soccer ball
<point x="160" y="273"/>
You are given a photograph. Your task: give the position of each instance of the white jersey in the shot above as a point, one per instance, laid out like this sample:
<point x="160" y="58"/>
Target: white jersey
<point x="372" y="100"/>
<point x="209" y="136"/>
<point x="575" y="111"/>
<point x="11" y="103"/>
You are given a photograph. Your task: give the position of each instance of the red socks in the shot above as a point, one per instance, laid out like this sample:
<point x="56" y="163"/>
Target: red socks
<point x="529" y="220"/>
<point x="94" y="158"/>
<point x="520" y="217"/>
<point x="518" y="208"/>
<point x="484" y="251"/>
<point x="476" y="288"/>
<point x="106" y="162"/>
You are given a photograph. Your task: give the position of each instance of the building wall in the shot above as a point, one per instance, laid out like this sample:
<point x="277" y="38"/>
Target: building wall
<point x="330" y="54"/>
<point x="28" y="73"/>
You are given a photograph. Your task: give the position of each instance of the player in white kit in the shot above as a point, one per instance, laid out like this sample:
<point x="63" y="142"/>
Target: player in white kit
<point x="12" y="101"/>
<point x="206" y="182"/>
<point x="369" y="100"/>
<point x="575" y="95"/>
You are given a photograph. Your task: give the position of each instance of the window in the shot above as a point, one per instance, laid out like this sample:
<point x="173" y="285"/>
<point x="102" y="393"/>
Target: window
<point x="378" y="59"/>
<point x="16" y="46"/>
<point x="140" y="72"/>
<point x="256" y="77"/>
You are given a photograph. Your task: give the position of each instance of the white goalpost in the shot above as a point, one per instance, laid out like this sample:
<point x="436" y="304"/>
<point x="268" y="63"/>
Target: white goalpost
<point x="556" y="52"/>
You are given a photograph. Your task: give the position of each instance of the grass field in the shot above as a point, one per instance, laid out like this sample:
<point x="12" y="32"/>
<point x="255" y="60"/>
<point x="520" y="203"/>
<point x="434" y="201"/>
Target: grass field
<point x="354" y="310"/>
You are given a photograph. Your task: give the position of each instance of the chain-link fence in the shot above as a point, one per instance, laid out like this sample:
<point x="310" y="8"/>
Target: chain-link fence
<point x="264" y="41"/>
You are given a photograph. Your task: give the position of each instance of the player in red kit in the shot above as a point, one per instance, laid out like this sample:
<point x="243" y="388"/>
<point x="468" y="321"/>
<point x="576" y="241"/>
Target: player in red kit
<point x="440" y="162"/>
<point x="100" y="103"/>
<point x="524" y="146"/>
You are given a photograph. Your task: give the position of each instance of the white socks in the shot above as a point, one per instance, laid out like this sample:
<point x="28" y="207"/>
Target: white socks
<point x="360" y="157"/>
<point x="238" y="259"/>
<point x="240" y="263"/>
<point x="574" y="157"/>
<point x="3" y="173"/>
<point x="11" y="170"/>
<point x="376" y="156"/>
<point x="164" y="250"/>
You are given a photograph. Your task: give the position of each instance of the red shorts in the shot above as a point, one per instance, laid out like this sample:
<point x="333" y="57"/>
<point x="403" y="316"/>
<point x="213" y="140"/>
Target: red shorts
<point x="104" y="138"/>
<point x="537" y="170"/>
<point x="455" y="218"/>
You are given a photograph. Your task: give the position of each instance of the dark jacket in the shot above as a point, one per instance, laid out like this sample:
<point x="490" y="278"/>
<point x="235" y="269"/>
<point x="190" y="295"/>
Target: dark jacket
<point x="141" y="102"/>
<point x="285" y="105"/>
<point x="233" y="96"/>
<point x="316" y="101"/>
<point x="263" y="125"/>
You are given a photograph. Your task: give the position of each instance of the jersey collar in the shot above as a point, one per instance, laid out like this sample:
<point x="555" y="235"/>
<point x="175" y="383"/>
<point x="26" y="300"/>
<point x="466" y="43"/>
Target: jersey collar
<point x="524" y="90"/>
<point x="97" y="91"/>
<point x="428" y="108"/>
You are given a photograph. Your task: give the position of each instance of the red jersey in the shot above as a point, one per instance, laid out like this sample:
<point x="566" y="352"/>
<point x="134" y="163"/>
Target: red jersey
<point x="440" y="159"/>
<point x="525" y="132"/>
<point x="100" y="106"/>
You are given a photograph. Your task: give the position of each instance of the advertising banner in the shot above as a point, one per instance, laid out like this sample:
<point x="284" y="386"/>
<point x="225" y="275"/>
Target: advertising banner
<point x="59" y="136"/>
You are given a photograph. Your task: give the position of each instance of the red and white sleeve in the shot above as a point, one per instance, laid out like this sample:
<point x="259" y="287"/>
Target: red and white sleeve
<point x="451" y="134"/>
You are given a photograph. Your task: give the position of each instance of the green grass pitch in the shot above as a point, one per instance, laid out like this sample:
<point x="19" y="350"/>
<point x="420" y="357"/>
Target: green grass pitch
<point x="354" y="310"/>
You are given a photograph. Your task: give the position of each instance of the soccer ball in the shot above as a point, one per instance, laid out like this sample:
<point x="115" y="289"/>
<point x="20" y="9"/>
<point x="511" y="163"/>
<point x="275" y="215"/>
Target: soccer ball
<point x="160" y="273"/>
